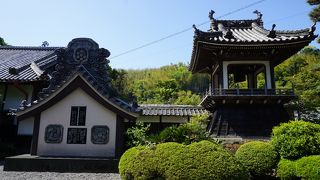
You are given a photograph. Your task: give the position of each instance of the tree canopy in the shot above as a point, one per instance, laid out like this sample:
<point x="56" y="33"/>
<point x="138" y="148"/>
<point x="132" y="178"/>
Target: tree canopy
<point x="2" y="42"/>
<point x="315" y="13"/>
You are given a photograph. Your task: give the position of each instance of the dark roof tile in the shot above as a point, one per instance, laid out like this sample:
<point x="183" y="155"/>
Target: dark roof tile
<point x="170" y="110"/>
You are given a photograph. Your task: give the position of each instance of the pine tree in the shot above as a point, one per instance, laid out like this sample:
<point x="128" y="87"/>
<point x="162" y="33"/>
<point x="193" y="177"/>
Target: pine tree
<point x="315" y="13"/>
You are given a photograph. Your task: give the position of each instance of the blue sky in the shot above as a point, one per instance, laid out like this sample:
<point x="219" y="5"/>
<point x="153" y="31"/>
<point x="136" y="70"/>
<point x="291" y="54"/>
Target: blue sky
<point x="121" y="25"/>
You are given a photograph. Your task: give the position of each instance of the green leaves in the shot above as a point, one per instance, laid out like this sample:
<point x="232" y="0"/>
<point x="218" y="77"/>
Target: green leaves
<point x="296" y="139"/>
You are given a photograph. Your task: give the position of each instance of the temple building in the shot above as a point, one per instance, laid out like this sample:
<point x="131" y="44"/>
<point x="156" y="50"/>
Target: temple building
<point x="240" y="56"/>
<point x="58" y="97"/>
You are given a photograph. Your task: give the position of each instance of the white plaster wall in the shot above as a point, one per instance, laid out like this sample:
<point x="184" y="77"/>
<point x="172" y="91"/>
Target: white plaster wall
<point x="60" y="114"/>
<point x="15" y="96"/>
<point x="25" y="127"/>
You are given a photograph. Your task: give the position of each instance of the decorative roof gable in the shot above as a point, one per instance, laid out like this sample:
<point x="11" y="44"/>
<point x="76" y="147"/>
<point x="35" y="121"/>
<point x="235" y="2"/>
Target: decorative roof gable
<point x="81" y="65"/>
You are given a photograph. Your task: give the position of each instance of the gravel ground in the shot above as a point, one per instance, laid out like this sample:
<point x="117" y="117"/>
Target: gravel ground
<point x="11" y="175"/>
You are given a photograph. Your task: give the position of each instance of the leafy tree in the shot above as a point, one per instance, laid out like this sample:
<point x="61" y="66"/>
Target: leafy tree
<point x="315" y="13"/>
<point x="2" y="42"/>
<point x="302" y="72"/>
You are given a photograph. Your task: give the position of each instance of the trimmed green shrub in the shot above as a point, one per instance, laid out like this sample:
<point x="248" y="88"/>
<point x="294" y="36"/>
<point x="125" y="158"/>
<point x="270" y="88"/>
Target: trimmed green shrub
<point x="202" y="160"/>
<point x="206" y="160"/>
<point x="296" y="139"/>
<point x="258" y="157"/>
<point x="286" y="169"/>
<point x="166" y="153"/>
<point x="308" y="167"/>
<point x="138" y="163"/>
<point x="304" y="168"/>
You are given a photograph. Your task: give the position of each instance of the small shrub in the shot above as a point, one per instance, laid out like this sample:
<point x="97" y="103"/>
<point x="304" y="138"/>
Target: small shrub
<point x="193" y="131"/>
<point x="258" y="157"/>
<point x="207" y="160"/>
<point x="286" y="169"/>
<point x="137" y="135"/>
<point x="296" y="139"/>
<point x="138" y="163"/>
<point x="308" y="167"/>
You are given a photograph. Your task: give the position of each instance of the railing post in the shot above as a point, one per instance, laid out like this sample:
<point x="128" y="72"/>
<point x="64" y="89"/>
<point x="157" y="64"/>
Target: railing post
<point x="238" y="92"/>
<point x="265" y="90"/>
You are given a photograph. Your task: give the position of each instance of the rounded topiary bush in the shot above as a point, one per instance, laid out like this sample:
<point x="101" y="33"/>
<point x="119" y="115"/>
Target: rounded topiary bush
<point x="286" y="169"/>
<point x="138" y="163"/>
<point x="203" y="160"/>
<point x="308" y="167"/>
<point x="258" y="157"/>
<point x="296" y="139"/>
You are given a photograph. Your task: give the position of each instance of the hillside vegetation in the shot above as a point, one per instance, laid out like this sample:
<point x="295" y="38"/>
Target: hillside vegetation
<point x="174" y="84"/>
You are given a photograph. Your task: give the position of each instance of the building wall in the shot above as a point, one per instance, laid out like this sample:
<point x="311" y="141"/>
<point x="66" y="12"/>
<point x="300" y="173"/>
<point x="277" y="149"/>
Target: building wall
<point x="59" y="113"/>
<point x="25" y="127"/>
<point x="15" y="96"/>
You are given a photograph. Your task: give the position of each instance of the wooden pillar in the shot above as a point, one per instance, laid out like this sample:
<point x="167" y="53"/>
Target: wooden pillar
<point x="4" y="98"/>
<point x="35" y="135"/>
<point x="273" y="82"/>
<point x="120" y="131"/>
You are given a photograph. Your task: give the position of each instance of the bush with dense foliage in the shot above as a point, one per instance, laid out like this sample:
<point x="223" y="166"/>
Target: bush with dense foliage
<point x="258" y="157"/>
<point x="304" y="168"/>
<point x="137" y="135"/>
<point x="186" y="133"/>
<point x="286" y="169"/>
<point x="308" y="167"/>
<point x="138" y="163"/>
<point x="201" y="160"/>
<point x="194" y="131"/>
<point x="296" y="139"/>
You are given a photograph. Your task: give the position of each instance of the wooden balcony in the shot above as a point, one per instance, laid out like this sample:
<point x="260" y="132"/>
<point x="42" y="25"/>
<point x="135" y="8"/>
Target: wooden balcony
<point x="215" y="97"/>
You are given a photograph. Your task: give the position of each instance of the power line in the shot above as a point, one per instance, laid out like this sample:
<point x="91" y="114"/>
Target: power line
<point x="184" y="30"/>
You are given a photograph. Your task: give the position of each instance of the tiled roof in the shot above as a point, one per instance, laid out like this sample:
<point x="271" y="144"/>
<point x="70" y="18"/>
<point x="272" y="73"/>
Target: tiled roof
<point x="246" y="39"/>
<point x="171" y="110"/>
<point x="74" y="61"/>
<point x="254" y="34"/>
<point x="47" y="92"/>
<point x="15" y="62"/>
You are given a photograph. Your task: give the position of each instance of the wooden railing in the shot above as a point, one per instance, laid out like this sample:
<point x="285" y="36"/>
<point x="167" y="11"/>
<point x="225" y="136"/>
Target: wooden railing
<point x="250" y="92"/>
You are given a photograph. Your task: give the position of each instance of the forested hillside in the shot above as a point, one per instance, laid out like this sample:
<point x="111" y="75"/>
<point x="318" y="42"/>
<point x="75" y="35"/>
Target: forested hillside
<point x="174" y="84"/>
<point x="302" y="71"/>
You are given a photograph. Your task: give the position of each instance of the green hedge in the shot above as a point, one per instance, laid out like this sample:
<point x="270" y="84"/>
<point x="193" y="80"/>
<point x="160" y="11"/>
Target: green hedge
<point x="308" y="167"/>
<point x="258" y="157"/>
<point x="138" y="163"/>
<point x="296" y="139"/>
<point x="286" y="169"/>
<point x="202" y="160"/>
<point x="304" y="168"/>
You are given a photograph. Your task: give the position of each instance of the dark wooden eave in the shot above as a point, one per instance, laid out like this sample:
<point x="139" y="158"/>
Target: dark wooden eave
<point x="76" y="82"/>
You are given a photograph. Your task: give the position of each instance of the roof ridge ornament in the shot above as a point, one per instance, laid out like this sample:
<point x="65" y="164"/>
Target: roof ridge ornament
<point x="212" y="20"/>
<point x="313" y="28"/>
<point x="259" y="17"/>
<point x="272" y="33"/>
